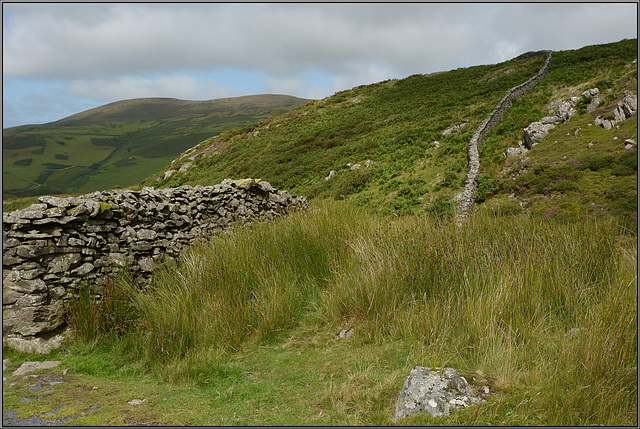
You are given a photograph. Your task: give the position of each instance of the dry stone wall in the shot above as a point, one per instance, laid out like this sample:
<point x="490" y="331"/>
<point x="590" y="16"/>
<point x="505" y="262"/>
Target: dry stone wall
<point x="54" y="248"/>
<point x="467" y="200"/>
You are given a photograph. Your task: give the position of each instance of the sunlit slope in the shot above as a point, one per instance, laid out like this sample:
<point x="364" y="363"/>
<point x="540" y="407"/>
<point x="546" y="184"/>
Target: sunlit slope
<point x="398" y="126"/>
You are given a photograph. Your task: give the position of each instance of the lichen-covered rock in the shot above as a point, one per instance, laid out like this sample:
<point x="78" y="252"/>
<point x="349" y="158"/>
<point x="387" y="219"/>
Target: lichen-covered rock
<point x="434" y="392"/>
<point x="535" y="132"/>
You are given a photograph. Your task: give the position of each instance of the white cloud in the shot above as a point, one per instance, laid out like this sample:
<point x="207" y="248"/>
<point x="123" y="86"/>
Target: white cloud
<point x="126" y="87"/>
<point x="110" y="51"/>
<point x="101" y="40"/>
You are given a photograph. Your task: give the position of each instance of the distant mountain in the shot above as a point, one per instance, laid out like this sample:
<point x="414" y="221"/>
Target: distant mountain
<point x="151" y="109"/>
<point x="121" y="143"/>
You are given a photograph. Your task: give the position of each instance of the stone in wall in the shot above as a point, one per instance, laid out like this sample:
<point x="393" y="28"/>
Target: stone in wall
<point x="56" y="247"/>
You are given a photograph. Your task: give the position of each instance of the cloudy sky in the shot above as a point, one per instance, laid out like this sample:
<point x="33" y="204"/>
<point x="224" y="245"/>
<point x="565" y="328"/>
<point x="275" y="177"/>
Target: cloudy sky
<point x="60" y="59"/>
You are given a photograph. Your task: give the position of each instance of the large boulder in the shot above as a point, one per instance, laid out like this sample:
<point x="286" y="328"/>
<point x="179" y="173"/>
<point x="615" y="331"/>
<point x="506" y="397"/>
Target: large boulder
<point x="535" y="132"/>
<point x="434" y="392"/>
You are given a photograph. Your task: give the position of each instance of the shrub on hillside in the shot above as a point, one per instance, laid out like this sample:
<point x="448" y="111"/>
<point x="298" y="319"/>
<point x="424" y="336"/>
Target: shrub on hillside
<point x="543" y="178"/>
<point x="441" y="208"/>
<point x="506" y="208"/>
<point x="351" y="182"/>
<point x="629" y="159"/>
<point x="486" y="187"/>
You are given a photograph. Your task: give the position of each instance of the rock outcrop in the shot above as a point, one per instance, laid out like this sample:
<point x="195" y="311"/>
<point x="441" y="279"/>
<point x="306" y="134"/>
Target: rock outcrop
<point x="54" y="248"/>
<point x="455" y="127"/>
<point x="562" y="111"/>
<point x="624" y="110"/>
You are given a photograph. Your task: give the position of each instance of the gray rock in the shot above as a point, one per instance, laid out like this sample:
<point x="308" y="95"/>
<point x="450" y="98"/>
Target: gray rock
<point x="511" y="151"/>
<point x="185" y="167"/>
<point x="455" y="128"/>
<point x="550" y="120"/>
<point x="146" y="263"/>
<point x="591" y="92"/>
<point x="564" y="111"/>
<point x="27" y="321"/>
<point x="607" y="124"/>
<point x="433" y="392"/>
<point x="64" y="262"/>
<point x="29" y="367"/>
<point x="595" y="102"/>
<point x="34" y="211"/>
<point x="146" y="234"/>
<point x="535" y="132"/>
<point x="89" y="207"/>
<point x="624" y="110"/>
<point x="137" y="402"/>
<point x="24" y="286"/>
<point x="265" y="186"/>
<point x="57" y="201"/>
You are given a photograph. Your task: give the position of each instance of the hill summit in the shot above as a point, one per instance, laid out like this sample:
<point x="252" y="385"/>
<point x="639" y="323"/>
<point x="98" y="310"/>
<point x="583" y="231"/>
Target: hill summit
<point x="150" y="109"/>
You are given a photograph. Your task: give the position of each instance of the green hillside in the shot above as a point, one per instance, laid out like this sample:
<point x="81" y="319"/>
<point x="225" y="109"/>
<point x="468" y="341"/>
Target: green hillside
<point x="414" y="168"/>
<point x="318" y="317"/>
<point x="121" y="143"/>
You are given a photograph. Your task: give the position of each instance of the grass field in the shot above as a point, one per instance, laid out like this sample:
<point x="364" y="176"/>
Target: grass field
<point x="243" y="330"/>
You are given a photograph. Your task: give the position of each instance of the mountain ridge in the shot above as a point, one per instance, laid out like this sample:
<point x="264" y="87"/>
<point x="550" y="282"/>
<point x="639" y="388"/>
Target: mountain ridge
<point x="157" y="108"/>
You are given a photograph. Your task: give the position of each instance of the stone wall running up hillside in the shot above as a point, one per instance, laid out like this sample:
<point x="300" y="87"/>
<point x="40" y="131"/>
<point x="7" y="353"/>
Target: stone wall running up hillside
<point x="52" y="249"/>
<point x="471" y="184"/>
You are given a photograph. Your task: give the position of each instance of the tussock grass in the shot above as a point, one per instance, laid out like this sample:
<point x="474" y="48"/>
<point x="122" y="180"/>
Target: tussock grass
<point x="496" y="296"/>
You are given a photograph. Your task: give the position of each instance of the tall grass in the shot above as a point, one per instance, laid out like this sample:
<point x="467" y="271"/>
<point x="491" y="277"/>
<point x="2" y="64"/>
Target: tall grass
<point x="498" y="295"/>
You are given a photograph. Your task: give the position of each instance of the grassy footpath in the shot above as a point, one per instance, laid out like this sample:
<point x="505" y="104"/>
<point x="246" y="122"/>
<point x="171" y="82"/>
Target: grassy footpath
<point x="243" y="330"/>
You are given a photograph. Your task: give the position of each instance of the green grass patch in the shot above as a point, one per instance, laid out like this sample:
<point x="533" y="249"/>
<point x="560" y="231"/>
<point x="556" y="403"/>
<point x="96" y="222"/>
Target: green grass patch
<point x="249" y="318"/>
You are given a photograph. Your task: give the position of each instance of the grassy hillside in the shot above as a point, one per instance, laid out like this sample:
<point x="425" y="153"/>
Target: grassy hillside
<point x="244" y="330"/>
<point x="535" y="295"/>
<point x="121" y="143"/>
<point x="397" y="123"/>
